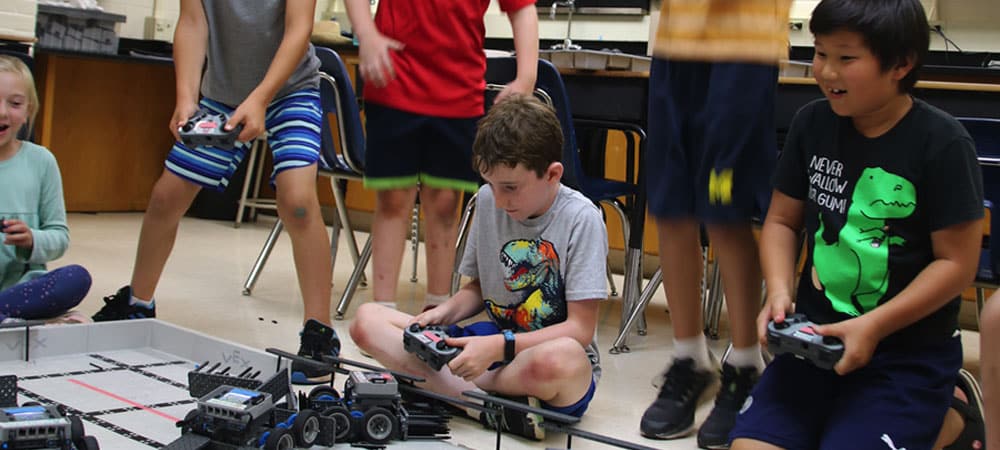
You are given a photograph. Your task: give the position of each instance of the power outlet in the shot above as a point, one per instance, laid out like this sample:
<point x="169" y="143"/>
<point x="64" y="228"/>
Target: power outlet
<point x="159" y="29"/>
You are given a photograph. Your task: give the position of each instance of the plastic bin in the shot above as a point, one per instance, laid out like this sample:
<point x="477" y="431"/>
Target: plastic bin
<point x="83" y="30"/>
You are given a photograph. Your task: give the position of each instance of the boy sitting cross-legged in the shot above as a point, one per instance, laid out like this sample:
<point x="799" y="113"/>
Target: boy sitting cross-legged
<point x="536" y="255"/>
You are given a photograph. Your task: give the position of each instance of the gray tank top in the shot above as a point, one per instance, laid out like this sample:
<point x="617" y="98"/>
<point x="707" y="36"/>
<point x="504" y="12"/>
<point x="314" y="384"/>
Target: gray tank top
<point x="243" y="37"/>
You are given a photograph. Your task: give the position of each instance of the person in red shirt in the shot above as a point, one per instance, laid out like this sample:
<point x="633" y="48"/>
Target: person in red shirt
<point x="423" y="65"/>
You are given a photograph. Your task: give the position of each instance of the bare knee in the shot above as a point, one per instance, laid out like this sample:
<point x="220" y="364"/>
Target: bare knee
<point x="362" y="323"/>
<point x="171" y="196"/>
<point x="989" y="318"/>
<point x="442" y="205"/>
<point x="296" y="211"/>
<point x="395" y="203"/>
<point x="558" y="360"/>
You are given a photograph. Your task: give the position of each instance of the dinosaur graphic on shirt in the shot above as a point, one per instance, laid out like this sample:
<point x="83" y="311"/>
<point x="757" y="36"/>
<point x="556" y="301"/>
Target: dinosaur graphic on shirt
<point x="854" y="269"/>
<point x="532" y="268"/>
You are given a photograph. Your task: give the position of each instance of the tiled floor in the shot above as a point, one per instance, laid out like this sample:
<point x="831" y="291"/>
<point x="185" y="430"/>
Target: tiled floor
<point x="202" y="285"/>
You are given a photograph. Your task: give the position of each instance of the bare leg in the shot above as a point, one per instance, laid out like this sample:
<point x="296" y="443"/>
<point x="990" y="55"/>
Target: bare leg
<point x="171" y="197"/>
<point x="680" y="248"/>
<point x="298" y="207"/>
<point x="393" y="209"/>
<point x="440" y="208"/>
<point x="557" y="372"/>
<point x="736" y="252"/>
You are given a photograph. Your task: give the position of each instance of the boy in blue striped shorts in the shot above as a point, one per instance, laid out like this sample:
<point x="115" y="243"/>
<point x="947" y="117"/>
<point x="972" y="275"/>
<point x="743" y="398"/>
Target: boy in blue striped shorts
<point x="269" y="84"/>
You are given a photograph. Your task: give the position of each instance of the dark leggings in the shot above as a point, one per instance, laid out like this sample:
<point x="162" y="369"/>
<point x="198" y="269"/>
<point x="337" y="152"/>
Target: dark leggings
<point x="47" y="296"/>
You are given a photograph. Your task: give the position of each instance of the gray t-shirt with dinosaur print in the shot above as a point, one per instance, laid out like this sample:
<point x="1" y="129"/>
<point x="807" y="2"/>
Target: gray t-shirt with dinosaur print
<point x="529" y="270"/>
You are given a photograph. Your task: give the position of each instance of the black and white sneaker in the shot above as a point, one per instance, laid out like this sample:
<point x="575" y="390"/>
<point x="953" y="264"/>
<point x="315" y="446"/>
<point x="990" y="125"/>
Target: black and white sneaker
<point x="736" y="386"/>
<point x="316" y="340"/>
<point x="117" y="307"/>
<point x="671" y="415"/>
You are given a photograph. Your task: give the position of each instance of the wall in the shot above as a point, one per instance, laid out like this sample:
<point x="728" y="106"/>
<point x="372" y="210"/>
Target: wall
<point x="17" y="19"/>
<point x="972" y="24"/>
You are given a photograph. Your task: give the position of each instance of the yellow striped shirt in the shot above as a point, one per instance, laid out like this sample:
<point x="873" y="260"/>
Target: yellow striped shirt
<point x="723" y="30"/>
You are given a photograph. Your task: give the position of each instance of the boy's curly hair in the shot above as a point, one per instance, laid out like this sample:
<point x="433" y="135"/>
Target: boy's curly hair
<point x="518" y="130"/>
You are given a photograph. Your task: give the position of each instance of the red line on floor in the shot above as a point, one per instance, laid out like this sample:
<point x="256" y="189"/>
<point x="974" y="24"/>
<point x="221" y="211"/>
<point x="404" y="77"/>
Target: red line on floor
<point x="125" y="400"/>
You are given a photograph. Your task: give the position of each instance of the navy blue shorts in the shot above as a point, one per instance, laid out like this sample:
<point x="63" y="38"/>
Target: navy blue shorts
<point x="897" y="401"/>
<point x="488" y="328"/>
<point x="712" y="141"/>
<point x="404" y="149"/>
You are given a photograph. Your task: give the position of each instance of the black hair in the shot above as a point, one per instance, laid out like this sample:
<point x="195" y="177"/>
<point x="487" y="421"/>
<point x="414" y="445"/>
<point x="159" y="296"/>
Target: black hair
<point x="894" y="30"/>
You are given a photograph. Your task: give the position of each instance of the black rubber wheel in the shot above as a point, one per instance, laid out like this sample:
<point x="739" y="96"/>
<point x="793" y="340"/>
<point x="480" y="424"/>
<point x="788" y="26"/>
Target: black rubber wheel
<point x="191" y="422"/>
<point x="305" y="428"/>
<point x="345" y="424"/>
<point x="323" y="392"/>
<point x="88" y="443"/>
<point x="379" y="425"/>
<point x="279" y="439"/>
<point x="75" y="428"/>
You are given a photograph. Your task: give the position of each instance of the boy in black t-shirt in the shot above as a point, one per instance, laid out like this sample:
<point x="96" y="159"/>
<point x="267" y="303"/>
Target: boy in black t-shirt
<point x="889" y="193"/>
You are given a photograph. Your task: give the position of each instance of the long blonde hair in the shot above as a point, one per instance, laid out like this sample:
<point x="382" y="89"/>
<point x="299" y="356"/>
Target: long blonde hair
<point x="12" y="64"/>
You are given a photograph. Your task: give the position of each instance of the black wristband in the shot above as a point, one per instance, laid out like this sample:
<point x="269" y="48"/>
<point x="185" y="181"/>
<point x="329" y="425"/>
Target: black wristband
<point x="508" y="349"/>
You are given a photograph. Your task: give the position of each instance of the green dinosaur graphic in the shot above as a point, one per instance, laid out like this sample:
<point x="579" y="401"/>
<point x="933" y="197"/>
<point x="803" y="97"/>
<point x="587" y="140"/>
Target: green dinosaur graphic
<point x="854" y="270"/>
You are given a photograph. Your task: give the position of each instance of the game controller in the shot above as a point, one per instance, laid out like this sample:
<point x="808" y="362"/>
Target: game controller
<point x="206" y="128"/>
<point x="2" y="226"/>
<point x="797" y="335"/>
<point x="427" y="343"/>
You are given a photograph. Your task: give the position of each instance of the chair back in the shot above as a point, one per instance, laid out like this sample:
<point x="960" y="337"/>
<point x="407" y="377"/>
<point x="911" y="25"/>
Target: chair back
<point x="338" y="98"/>
<point x="503" y="70"/>
<point x="985" y="133"/>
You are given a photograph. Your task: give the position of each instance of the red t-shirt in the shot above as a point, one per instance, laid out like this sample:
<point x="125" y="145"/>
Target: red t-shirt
<point x="440" y="72"/>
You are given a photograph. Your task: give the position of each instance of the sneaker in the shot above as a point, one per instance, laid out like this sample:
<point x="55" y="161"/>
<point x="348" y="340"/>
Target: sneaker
<point x="317" y="340"/>
<point x="973" y="435"/>
<point x="671" y="415"/>
<point x="515" y="421"/>
<point x="117" y="307"/>
<point x="736" y="386"/>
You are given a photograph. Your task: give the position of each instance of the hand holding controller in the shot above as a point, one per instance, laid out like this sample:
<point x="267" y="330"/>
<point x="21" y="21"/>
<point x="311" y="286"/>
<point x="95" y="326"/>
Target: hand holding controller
<point x="427" y="343"/>
<point x="206" y="128"/>
<point x="797" y="336"/>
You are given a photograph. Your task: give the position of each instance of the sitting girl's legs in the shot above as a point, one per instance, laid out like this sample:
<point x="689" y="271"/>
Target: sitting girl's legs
<point x="46" y="296"/>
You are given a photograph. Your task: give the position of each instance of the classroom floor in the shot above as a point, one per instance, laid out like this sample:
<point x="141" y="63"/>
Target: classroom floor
<point x="202" y="286"/>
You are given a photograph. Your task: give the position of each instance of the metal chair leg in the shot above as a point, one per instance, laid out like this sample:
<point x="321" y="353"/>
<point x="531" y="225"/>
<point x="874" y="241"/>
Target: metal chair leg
<point x="463" y="235"/>
<point x="619" y="345"/>
<point x="265" y="252"/>
<point x="352" y="283"/>
<point x="345" y="223"/>
<point x="242" y="204"/>
<point x="415" y="239"/>
<point x="714" y="300"/>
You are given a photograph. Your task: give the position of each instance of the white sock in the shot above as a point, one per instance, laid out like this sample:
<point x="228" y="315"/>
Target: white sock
<point x="391" y="305"/>
<point x="435" y="299"/>
<point x="746" y="357"/>
<point x="143" y="303"/>
<point x="695" y="348"/>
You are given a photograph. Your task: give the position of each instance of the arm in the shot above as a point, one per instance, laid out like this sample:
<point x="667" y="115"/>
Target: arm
<point x="524" y="24"/>
<point x="956" y="255"/>
<point x="51" y="239"/>
<point x="466" y="303"/>
<point x="299" y="16"/>
<point x="779" y="248"/>
<point x="190" y="41"/>
<point x="373" y="52"/>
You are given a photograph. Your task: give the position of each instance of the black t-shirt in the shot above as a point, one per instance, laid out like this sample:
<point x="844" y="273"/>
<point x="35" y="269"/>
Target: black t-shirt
<point x="871" y="205"/>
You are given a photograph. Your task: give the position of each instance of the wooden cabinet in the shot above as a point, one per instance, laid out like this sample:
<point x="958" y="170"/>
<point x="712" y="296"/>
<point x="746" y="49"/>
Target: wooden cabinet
<point x="105" y="119"/>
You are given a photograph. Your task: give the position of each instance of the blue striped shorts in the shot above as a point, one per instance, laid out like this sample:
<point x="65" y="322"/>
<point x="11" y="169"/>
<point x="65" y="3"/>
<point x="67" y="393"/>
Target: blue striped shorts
<point x="292" y="125"/>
